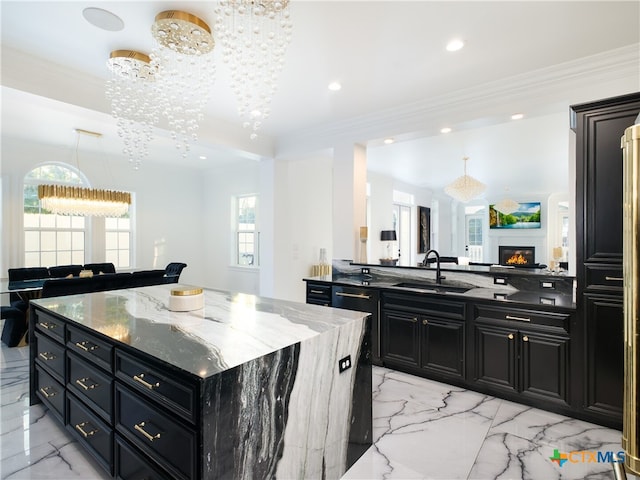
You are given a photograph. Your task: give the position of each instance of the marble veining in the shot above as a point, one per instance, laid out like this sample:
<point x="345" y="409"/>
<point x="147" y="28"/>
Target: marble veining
<point x="422" y="430"/>
<point x="203" y="342"/>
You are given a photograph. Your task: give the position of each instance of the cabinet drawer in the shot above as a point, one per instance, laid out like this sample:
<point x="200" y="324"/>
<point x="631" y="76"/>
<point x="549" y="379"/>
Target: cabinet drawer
<point x="132" y="465"/>
<point x="90" y="385"/>
<point x="604" y="278"/>
<point x="91" y="432"/>
<point x="50" y="354"/>
<point x="175" y="394"/>
<point x="90" y="347"/>
<point x="49" y="325"/>
<point x="173" y="445"/>
<point x="319" y="294"/>
<point x="51" y="392"/>
<point x="524" y="317"/>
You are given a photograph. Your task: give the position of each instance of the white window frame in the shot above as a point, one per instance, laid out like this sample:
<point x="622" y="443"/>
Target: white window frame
<point x="238" y="231"/>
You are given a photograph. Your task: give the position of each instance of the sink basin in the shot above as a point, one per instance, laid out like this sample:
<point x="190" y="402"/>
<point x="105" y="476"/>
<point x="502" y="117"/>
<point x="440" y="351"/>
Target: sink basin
<point x="432" y="287"/>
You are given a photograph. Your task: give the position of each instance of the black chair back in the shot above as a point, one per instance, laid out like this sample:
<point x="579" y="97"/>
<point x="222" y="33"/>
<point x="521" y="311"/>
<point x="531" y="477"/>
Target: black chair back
<point x="25" y="273"/>
<point x="99" y="268"/>
<point x="57" y="287"/>
<point x="173" y="270"/>
<point x="145" y="278"/>
<point x="61" y="271"/>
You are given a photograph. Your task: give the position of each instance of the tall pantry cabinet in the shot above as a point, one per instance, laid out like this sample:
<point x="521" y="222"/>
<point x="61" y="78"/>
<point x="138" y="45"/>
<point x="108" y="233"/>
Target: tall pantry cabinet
<point x="599" y="126"/>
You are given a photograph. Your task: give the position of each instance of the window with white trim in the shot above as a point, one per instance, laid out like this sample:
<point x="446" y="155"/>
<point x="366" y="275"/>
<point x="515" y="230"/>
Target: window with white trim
<point x="51" y="239"/>
<point x="117" y="243"/>
<point x="246" y="231"/>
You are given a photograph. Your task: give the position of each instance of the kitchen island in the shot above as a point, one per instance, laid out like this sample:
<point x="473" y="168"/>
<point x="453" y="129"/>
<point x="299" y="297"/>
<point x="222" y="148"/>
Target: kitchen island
<point x="246" y="387"/>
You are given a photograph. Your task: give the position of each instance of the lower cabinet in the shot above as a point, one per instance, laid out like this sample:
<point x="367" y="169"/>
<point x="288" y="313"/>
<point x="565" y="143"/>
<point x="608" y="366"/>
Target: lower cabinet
<point x="523" y="352"/>
<point x="134" y="417"/>
<point x="426" y="333"/>
<point x="604" y="356"/>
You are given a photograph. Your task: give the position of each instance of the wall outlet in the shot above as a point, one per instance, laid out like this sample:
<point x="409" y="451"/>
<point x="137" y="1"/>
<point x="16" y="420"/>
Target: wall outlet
<point x="344" y="364"/>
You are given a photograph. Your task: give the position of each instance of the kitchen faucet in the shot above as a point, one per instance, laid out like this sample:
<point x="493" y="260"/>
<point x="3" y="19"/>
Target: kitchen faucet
<point x="439" y="277"/>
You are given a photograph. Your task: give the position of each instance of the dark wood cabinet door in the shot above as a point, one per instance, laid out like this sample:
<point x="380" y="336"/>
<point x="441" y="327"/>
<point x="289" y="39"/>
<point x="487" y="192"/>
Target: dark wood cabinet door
<point x="544" y="364"/>
<point x="401" y="342"/>
<point x="495" y="356"/>
<point x="442" y="346"/>
<point x="604" y="355"/>
<point x="599" y="126"/>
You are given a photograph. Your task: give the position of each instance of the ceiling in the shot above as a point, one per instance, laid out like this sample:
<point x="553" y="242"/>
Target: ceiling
<point x="397" y="78"/>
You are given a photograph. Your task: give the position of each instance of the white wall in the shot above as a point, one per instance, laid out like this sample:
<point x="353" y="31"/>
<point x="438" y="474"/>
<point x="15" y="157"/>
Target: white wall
<point x="303" y="221"/>
<point x="220" y="185"/>
<point x="168" y="200"/>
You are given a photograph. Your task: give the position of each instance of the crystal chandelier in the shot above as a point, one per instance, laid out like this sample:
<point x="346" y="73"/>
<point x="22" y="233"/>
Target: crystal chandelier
<point x="254" y="35"/>
<point x="506" y="206"/>
<point x="66" y="200"/>
<point x="465" y="188"/>
<point x="133" y="101"/>
<point x="183" y="59"/>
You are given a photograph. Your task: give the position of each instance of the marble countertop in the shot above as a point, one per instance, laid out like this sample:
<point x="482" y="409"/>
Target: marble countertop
<point x="231" y="329"/>
<point x="484" y="290"/>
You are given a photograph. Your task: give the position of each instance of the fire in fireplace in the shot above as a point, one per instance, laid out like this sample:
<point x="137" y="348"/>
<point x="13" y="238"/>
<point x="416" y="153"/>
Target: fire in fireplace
<point x="517" y="256"/>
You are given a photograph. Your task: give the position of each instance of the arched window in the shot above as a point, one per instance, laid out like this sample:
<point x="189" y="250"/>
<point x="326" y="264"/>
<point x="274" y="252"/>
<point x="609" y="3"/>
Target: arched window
<point x="51" y="239"/>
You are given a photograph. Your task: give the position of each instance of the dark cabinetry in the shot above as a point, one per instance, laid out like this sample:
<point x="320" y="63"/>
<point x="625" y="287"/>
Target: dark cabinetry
<point x="599" y="127"/>
<point x="133" y="417"/>
<point x="522" y="351"/>
<point x="425" y="333"/>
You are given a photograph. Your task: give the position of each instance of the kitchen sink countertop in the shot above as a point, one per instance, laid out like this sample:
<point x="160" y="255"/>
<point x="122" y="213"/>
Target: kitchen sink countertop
<point x="541" y="290"/>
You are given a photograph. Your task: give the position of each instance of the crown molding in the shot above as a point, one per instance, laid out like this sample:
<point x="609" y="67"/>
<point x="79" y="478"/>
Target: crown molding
<point x="541" y="90"/>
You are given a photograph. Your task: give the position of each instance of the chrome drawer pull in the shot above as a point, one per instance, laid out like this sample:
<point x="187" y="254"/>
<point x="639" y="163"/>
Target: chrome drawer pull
<point x="510" y="336"/>
<point x="48" y="326"/>
<point x="47" y="356"/>
<point x="614" y="279"/>
<point x="425" y="322"/>
<point x="521" y="319"/>
<point x="81" y="382"/>
<point x="319" y="292"/>
<point x="148" y="436"/>
<point x="414" y="319"/>
<point x="80" y="428"/>
<point x="140" y="379"/>
<point x="45" y="392"/>
<point x="353" y="295"/>
<point x="525" y="339"/>
<point x="83" y="346"/>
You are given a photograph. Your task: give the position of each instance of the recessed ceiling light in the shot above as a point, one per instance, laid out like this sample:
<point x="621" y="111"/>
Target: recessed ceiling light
<point x="335" y="86"/>
<point x="517" y="116"/>
<point x="103" y="19"/>
<point x="455" y="45"/>
<point x="388" y="141"/>
<point x="445" y="130"/>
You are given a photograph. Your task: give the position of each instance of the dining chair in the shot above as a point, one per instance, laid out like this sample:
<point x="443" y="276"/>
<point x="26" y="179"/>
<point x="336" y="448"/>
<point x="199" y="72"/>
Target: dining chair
<point x="100" y="268"/>
<point x="173" y="270"/>
<point x="62" y="271"/>
<point x="21" y="274"/>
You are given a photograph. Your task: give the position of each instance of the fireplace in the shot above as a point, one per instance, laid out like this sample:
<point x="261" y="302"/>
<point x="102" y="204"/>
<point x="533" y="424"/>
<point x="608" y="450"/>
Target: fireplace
<point x="517" y="256"/>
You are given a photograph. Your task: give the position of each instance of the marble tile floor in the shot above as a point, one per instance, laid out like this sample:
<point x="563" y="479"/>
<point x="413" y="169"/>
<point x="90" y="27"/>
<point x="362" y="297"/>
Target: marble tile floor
<point x="422" y="430"/>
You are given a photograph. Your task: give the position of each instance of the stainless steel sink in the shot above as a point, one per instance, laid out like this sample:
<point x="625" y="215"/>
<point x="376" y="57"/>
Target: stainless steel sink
<point x="432" y="287"/>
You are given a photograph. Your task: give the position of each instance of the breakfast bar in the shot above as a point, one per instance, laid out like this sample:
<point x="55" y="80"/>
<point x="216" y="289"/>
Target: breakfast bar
<point x="246" y="387"/>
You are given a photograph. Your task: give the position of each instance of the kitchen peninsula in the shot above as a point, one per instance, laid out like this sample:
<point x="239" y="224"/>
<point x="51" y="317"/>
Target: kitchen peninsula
<point x="246" y="387"/>
<point x="509" y="332"/>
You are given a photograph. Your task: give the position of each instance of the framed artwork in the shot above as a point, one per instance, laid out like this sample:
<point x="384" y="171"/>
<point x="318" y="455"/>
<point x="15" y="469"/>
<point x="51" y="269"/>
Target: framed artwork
<point x="424" y="229"/>
<point x="527" y="215"/>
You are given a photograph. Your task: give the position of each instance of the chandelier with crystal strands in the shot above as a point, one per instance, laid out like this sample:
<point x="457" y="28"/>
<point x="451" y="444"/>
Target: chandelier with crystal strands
<point x="132" y="92"/>
<point x="185" y="72"/>
<point x="254" y="35"/>
<point x="465" y="188"/>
